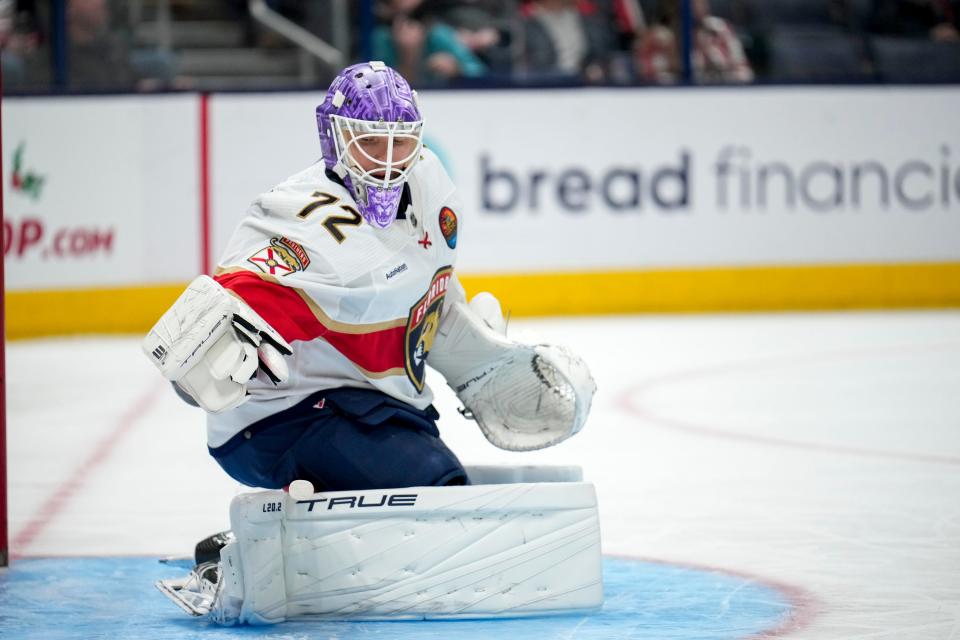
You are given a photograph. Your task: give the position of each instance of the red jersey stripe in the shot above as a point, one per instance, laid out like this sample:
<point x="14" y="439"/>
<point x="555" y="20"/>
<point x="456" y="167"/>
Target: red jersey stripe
<point x="374" y="348"/>
<point x="280" y="306"/>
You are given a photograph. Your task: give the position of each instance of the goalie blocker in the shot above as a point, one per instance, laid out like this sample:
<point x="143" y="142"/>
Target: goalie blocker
<point x="210" y="343"/>
<point x="526" y="542"/>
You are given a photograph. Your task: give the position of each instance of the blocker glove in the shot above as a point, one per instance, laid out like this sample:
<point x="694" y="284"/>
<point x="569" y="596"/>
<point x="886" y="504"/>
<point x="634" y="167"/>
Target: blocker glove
<point x="211" y="343"/>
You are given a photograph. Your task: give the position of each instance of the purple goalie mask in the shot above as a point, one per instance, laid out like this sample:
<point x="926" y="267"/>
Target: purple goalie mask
<point x="371" y="136"/>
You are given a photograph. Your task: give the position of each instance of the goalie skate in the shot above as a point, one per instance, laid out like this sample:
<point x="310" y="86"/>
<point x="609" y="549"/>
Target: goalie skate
<point x="195" y="593"/>
<point x="208" y="549"/>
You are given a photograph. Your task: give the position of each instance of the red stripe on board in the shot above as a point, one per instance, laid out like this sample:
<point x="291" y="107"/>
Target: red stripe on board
<point x="205" y="265"/>
<point x="375" y="351"/>
<point x="69" y="488"/>
<point x="4" y="549"/>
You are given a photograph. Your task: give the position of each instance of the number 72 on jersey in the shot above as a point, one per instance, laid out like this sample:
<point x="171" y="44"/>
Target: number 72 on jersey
<point x="332" y="223"/>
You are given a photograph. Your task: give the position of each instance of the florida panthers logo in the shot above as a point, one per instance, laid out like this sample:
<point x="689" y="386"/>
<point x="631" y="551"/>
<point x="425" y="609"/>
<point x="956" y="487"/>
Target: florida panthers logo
<point x="282" y="257"/>
<point x="422" y="327"/>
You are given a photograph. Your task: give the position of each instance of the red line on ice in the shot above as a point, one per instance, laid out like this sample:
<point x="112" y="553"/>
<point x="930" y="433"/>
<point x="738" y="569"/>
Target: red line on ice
<point x="804" y="607"/>
<point x="69" y="488"/>
<point x="630" y="401"/>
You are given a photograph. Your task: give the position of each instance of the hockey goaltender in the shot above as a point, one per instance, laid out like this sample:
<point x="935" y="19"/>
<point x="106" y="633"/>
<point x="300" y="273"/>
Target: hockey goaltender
<point x="308" y="350"/>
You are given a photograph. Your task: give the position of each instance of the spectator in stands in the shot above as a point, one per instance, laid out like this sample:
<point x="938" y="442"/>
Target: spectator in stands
<point x="98" y="58"/>
<point x="624" y="19"/>
<point x="20" y="41"/>
<point x="423" y="49"/>
<point x="934" y="19"/>
<point x="566" y="39"/>
<point x="717" y="54"/>
<point x="484" y="26"/>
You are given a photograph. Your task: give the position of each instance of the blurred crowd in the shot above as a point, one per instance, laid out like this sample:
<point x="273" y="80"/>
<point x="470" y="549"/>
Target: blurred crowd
<point x="98" y="55"/>
<point x="529" y="42"/>
<point x="642" y="41"/>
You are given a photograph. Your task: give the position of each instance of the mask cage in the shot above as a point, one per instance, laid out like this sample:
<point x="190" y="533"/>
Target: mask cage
<point x="348" y="135"/>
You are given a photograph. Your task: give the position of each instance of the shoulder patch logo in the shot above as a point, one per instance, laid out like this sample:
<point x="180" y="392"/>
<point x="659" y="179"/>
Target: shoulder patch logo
<point x="283" y="257"/>
<point x="448" y="226"/>
<point x="422" y="327"/>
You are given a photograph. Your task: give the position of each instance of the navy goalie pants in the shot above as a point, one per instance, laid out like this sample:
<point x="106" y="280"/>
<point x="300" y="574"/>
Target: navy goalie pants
<point x="343" y="439"/>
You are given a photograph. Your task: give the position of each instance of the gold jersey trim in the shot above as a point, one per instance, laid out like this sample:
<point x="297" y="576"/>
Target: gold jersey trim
<point x="318" y="312"/>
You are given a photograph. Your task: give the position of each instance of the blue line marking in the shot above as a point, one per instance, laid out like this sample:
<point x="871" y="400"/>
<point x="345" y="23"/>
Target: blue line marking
<point x="114" y="598"/>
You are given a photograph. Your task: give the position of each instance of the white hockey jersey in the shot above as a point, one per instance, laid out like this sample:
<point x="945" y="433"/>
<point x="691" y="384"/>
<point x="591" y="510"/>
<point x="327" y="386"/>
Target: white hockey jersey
<point x="359" y="305"/>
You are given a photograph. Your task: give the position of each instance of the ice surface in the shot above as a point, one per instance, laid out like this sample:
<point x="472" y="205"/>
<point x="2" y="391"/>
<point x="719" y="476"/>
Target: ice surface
<point x="816" y="453"/>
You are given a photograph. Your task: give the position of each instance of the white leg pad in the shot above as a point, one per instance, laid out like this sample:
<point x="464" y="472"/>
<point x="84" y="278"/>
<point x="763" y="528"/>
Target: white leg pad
<point x="478" y="551"/>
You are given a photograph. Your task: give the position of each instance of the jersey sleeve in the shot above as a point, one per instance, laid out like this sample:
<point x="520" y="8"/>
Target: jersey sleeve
<point x="444" y="220"/>
<point x="296" y="316"/>
<point x="272" y="258"/>
<point x="286" y="309"/>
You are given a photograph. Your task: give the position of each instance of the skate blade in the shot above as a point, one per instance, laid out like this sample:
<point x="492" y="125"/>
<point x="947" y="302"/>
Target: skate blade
<point x="171" y="589"/>
<point x="184" y="562"/>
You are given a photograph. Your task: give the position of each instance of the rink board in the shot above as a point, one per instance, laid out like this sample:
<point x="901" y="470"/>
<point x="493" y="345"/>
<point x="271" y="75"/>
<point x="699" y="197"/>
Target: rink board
<point x="68" y="598"/>
<point x="33" y="314"/>
<point x="767" y="198"/>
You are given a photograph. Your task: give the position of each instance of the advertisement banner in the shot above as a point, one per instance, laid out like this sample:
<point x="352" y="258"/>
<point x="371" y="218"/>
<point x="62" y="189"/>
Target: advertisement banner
<point x="600" y="179"/>
<point x="574" y="200"/>
<point x="623" y="179"/>
<point x="100" y="191"/>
